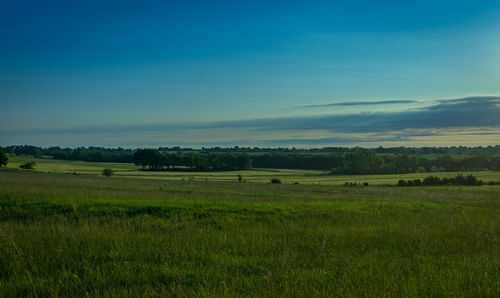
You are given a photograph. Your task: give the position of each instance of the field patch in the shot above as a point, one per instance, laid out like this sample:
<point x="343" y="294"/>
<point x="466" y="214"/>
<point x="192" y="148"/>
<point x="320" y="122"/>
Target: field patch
<point x="287" y="176"/>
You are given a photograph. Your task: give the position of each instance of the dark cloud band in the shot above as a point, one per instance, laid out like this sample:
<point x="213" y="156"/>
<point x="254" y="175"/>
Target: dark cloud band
<point x="463" y="112"/>
<point x="359" y="103"/>
<point x="470" y="112"/>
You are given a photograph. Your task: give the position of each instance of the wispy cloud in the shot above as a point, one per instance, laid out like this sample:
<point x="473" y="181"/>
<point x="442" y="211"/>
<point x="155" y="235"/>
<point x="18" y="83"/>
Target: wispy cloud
<point x="449" y="121"/>
<point x="358" y="103"/>
<point x="480" y="111"/>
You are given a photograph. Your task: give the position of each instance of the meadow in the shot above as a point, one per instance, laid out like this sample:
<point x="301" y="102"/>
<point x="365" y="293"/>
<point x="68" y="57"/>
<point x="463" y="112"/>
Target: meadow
<point x="130" y="170"/>
<point x="89" y="235"/>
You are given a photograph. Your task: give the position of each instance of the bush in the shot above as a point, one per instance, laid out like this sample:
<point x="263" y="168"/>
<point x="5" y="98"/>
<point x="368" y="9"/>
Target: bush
<point x="240" y="178"/>
<point x="470" y="180"/>
<point x="28" y="166"/>
<point x="432" y="181"/>
<point x="275" y="181"/>
<point x="107" y="172"/>
<point x="460" y="180"/>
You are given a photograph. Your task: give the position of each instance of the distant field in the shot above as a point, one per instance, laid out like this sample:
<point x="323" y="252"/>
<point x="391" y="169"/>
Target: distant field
<point x="84" y="235"/>
<point x="259" y="175"/>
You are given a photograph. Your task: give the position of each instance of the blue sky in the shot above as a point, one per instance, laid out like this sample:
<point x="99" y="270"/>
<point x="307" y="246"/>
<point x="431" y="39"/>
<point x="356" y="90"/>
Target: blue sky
<point x="196" y="73"/>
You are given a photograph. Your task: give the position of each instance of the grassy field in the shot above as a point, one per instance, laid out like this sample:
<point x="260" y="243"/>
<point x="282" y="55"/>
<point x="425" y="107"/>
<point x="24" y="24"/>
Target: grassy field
<point x="88" y="235"/>
<point x="258" y="175"/>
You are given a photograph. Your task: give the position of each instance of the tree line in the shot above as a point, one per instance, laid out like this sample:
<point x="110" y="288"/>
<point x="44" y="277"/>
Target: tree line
<point x="359" y="162"/>
<point x="356" y="161"/>
<point x="95" y="154"/>
<point x="155" y="160"/>
<point x="453" y="150"/>
<point x="364" y="161"/>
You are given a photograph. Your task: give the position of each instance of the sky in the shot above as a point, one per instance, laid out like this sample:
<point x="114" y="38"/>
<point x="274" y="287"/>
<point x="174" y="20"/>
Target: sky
<point x="250" y="73"/>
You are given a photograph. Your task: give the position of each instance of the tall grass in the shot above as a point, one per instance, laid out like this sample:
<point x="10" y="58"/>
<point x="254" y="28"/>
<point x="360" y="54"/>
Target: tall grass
<point x="98" y="236"/>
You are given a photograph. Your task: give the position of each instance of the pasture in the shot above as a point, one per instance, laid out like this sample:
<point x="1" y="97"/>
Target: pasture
<point x="89" y="235"/>
<point x="256" y="175"/>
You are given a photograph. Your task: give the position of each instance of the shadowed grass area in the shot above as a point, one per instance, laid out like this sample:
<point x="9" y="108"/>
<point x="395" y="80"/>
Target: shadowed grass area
<point x="66" y="235"/>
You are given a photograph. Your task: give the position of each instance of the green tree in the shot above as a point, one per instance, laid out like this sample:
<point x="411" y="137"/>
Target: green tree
<point x="497" y="163"/>
<point x="151" y="158"/>
<point x="37" y="153"/>
<point x="3" y="158"/>
<point x="107" y="172"/>
<point x="363" y="161"/>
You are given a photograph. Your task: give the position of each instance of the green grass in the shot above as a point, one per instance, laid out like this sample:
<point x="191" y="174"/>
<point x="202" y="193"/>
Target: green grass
<point x="85" y="235"/>
<point x="257" y="176"/>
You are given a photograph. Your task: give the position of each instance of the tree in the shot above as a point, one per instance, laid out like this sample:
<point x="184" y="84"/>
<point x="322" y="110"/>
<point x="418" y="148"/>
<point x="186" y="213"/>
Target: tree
<point x="107" y="172"/>
<point x="37" y="152"/>
<point x="497" y="163"/>
<point x="151" y="158"/>
<point x="141" y="158"/>
<point x="3" y="158"/>
<point x="362" y="161"/>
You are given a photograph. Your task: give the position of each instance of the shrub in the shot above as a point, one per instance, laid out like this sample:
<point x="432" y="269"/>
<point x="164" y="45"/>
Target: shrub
<point x="460" y="180"/>
<point x="240" y="178"/>
<point x="472" y="181"/>
<point x="30" y="165"/>
<point x="432" y="181"/>
<point x="107" y="172"/>
<point x="275" y="181"/>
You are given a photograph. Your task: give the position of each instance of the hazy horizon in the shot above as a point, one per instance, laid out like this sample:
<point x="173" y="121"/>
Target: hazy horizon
<point x="279" y="74"/>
